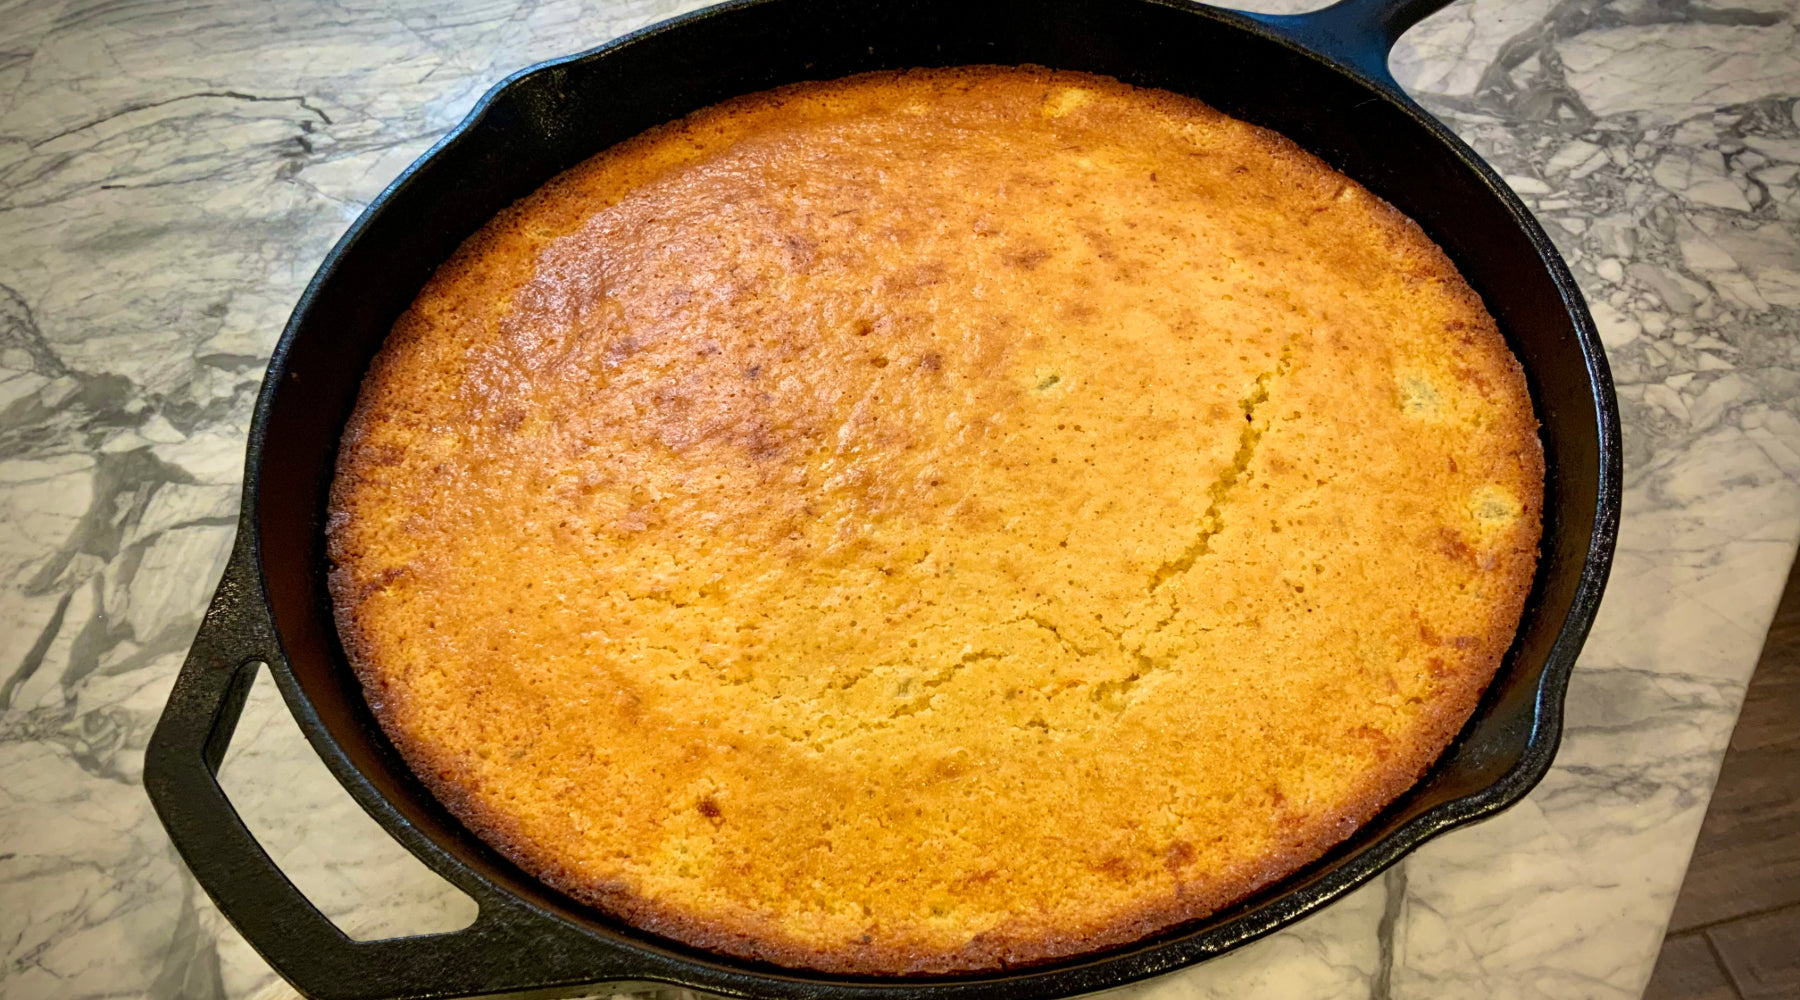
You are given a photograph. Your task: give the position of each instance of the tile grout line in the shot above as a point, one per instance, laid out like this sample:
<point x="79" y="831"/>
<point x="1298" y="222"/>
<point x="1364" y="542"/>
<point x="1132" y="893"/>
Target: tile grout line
<point x="1723" y="966"/>
<point x="1734" y="918"/>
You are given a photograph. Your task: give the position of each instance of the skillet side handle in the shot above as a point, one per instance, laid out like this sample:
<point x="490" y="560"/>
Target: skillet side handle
<point x="505" y="949"/>
<point x="1357" y="33"/>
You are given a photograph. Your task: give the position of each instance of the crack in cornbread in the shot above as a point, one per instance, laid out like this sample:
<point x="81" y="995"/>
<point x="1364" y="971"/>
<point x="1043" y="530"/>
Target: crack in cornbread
<point x="1211" y="522"/>
<point x="934" y="521"/>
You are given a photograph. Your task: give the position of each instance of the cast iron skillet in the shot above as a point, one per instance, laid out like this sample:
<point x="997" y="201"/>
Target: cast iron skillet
<point x="1319" y="78"/>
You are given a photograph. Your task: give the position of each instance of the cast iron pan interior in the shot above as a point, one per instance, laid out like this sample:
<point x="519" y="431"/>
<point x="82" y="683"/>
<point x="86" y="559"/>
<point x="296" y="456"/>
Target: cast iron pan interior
<point x="272" y="605"/>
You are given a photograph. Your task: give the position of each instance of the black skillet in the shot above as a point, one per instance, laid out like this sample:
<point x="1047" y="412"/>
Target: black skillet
<point x="1319" y="78"/>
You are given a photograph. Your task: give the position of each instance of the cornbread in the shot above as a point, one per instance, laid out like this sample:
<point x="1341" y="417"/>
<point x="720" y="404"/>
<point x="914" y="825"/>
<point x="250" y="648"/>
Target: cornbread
<point x="934" y="521"/>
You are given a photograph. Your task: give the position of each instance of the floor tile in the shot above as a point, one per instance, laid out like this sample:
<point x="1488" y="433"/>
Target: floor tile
<point x="1762" y="954"/>
<point x="1686" y="970"/>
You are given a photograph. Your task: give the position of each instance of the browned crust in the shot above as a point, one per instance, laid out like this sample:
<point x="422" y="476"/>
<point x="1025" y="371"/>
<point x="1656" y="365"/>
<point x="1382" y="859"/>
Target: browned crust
<point x="1454" y="701"/>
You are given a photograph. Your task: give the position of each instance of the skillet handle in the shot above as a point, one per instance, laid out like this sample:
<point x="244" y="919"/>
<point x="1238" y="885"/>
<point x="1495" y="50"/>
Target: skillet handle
<point x="507" y="947"/>
<point x="1357" y="33"/>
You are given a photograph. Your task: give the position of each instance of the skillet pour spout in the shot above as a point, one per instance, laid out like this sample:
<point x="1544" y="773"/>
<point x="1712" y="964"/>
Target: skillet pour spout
<point x="1319" y="78"/>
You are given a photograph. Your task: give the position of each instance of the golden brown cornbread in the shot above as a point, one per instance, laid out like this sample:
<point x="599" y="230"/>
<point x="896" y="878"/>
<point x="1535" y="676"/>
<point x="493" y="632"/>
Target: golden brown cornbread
<point x="934" y="521"/>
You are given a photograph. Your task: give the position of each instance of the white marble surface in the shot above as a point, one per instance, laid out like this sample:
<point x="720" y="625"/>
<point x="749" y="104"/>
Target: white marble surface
<point x="171" y="173"/>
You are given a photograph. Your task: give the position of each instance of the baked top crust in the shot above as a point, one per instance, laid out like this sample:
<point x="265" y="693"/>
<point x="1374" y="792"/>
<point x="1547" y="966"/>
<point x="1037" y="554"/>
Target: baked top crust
<point x="934" y="521"/>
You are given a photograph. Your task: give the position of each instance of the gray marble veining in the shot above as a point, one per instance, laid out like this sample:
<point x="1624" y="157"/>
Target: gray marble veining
<point x="171" y="173"/>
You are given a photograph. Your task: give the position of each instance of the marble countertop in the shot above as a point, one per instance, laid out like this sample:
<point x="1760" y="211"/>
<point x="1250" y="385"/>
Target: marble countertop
<point x="171" y="174"/>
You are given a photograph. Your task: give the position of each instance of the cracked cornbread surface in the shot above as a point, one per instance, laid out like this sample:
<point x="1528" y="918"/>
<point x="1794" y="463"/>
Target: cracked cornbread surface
<point x="934" y="521"/>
